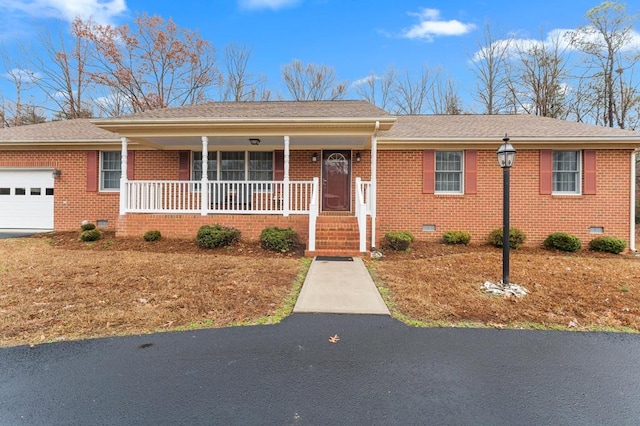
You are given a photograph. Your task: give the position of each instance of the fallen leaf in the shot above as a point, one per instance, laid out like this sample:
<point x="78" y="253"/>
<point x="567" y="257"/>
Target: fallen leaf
<point x="334" y="338"/>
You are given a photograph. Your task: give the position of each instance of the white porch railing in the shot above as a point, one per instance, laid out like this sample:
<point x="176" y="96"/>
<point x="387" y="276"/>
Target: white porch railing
<point x="363" y="209"/>
<point x="239" y="197"/>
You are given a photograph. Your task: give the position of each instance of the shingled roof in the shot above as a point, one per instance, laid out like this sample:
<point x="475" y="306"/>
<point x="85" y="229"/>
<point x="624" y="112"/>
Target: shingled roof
<point x="268" y="109"/>
<point x="431" y="127"/>
<point x="66" y="130"/>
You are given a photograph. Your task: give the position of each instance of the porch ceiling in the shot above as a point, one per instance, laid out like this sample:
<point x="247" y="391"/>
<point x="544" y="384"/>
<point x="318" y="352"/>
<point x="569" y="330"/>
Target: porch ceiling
<point x="243" y="143"/>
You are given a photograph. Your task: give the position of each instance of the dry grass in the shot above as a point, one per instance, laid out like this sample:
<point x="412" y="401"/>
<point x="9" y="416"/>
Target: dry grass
<point x="440" y="284"/>
<point x="62" y="289"/>
<point x="56" y="288"/>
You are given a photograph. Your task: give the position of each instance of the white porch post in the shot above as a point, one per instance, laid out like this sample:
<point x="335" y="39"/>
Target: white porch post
<point x="374" y="182"/>
<point x="285" y="198"/>
<point x="204" y="190"/>
<point x="123" y="177"/>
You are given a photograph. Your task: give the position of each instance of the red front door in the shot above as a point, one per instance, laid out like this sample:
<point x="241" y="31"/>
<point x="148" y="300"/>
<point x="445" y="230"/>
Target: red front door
<point x="336" y="180"/>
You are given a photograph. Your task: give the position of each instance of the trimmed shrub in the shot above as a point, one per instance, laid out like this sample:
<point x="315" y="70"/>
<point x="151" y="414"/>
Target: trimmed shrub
<point x="90" y="235"/>
<point x="562" y="241"/>
<point x="278" y="239"/>
<point x="152" y="236"/>
<point x="217" y="236"/>
<point x="456" y="237"/>
<point x="87" y="226"/>
<point x="398" y="241"/>
<point x="516" y="238"/>
<point x="608" y="244"/>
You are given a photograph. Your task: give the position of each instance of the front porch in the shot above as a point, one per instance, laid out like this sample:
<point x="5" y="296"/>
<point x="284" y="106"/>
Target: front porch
<point x="256" y="163"/>
<point x="180" y="207"/>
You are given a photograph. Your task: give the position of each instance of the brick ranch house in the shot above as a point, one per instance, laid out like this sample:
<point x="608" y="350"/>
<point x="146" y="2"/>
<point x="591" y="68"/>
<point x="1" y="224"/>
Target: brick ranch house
<point x="341" y="173"/>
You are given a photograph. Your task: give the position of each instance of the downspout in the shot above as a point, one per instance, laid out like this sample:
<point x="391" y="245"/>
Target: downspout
<point x="632" y="236"/>
<point x="374" y="184"/>
<point x="123" y="177"/>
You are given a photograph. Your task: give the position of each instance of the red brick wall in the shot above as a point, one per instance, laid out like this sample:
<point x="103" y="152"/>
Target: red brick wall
<point x="401" y="203"/>
<point x="403" y="206"/>
<point x="186" y="225"/>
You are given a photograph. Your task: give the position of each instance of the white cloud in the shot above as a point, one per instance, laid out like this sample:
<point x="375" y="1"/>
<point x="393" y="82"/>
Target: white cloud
<point x="102" y="11"/>
<point x="559" y="38"/>
<point x="23" y="75"/>
<point x="267" y="4"/>
<point x="364" y="80"/>
<point x="431" y="25"/>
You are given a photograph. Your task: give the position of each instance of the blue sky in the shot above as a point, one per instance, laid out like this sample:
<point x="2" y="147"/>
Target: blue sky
<point x="356" y="37"/>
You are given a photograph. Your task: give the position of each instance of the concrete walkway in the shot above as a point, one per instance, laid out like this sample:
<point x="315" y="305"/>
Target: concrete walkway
<point x="340" y="287"/>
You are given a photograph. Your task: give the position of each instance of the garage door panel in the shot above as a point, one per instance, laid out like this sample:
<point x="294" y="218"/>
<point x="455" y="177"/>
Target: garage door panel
<point x="26" y="199"/>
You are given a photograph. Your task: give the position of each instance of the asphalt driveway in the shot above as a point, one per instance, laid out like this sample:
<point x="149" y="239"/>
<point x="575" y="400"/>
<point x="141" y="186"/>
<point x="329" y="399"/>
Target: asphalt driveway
<point x="379" y="372"/>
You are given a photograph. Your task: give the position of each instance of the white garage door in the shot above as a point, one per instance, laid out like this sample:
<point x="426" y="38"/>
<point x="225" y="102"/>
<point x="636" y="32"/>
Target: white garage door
<point x="26" y="199"/>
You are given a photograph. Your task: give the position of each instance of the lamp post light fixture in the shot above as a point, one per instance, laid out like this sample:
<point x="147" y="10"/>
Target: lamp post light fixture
<point x="506" y="157"/>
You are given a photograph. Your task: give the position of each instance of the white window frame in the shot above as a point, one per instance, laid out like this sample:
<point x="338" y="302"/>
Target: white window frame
<point x="578" y="173"/>
<point x="436" y="171"/>
<point x="218" y="155"/>
<point x="102" y="172"/>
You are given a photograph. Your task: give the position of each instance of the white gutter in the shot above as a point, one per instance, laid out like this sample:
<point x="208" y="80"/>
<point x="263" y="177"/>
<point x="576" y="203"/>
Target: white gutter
<point x="632" y="236"/>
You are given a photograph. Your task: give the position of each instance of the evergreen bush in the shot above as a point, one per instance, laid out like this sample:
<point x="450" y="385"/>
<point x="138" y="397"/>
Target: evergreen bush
<point x="152" y="236"/>
<point x="562" y="241"/>
<point x="398" y="241"/>
<point x="90" y="235"/>
<point x="608" y="244"/>
<point x="516" y="238"/>
<point x="213" y="236"/>
<point x="456" y="237"/>
<point x="278" y="239"/>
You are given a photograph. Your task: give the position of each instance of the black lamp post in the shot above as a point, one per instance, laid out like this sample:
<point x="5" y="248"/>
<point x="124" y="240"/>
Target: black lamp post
<point x="506" y="156"/>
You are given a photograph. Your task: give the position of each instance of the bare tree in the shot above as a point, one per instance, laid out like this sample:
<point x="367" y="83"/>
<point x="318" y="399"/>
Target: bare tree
<point x="377" y="89"/>
<point x="22" y="79"/>
<point x="154" y="65"/>
<point x="488" y="66"/>
<point x="410" y="95"/>
<point x="239" y="85"/>
<point x="62" y="73"/>
<point x="538" y="80"/>
<point x="605" y="41"/>
<point x="312" y="82"/>
<point x="443" y="97"/>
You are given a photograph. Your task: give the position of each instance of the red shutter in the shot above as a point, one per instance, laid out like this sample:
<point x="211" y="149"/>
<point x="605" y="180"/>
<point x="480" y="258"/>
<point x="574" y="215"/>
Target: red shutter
<point x="589" y="172"/>
<point x="184" y="173"/>
<point x="428" y="172"/>
<point x="278" y="165"/>
<point x="546" y="172"/>
<point x="92" y="171"/>
<point x="470" y="172"/>
<point x="131" y="164"/>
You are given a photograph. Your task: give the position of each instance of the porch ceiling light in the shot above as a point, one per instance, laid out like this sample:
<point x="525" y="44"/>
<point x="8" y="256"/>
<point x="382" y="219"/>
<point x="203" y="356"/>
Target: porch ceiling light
<point x="254" y="141"/>
<point x="314" y="157"/>
<point x="506" y="153"/>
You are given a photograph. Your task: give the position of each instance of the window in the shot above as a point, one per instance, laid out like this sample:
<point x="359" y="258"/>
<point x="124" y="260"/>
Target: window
<point x="110" y="171"/>
<point x="232" y="165"/>
<point x="566" y="172"/>
<point x="212" y="165"/>
<point x="260" y="166"/>
<point x="448" y="172"/>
